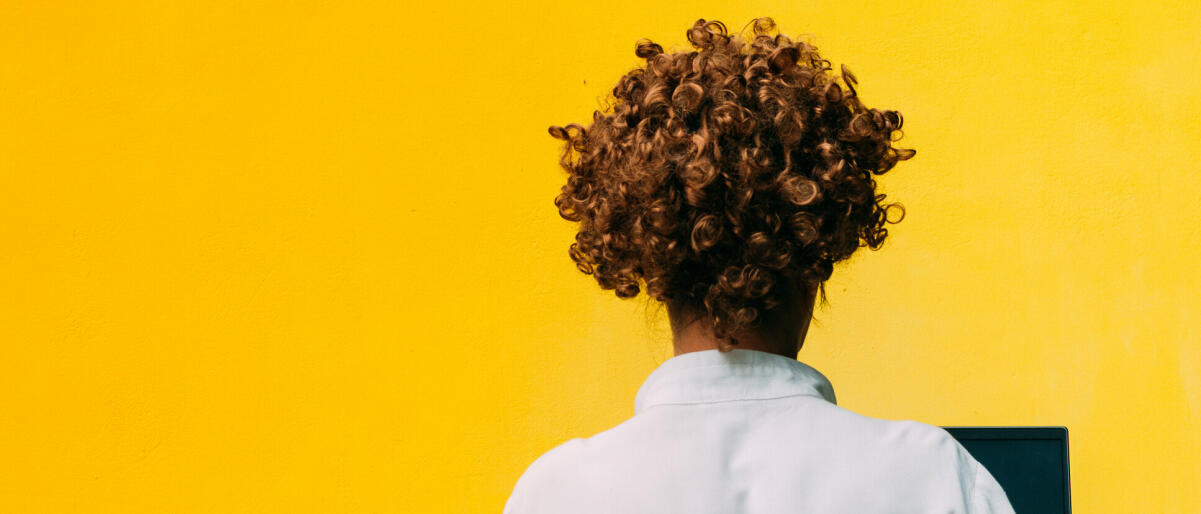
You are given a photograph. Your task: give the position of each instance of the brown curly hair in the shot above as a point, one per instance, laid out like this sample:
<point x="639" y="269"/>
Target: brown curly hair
<point x="728" y="177"/>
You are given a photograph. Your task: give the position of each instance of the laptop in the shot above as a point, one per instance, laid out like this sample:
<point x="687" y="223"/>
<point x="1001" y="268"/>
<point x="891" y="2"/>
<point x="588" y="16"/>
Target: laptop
<point x="1030" y="463"/>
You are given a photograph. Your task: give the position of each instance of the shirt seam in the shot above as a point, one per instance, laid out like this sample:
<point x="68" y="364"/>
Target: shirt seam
<point x="732" y="400"/>
<point x="754" y="371"/>
<point x="748" y="363"/>
<point x="975" y="483"/>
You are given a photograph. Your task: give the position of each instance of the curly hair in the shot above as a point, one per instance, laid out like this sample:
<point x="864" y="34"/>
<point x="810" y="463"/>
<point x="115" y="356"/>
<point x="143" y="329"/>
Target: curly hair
<point x="726" y="178"/>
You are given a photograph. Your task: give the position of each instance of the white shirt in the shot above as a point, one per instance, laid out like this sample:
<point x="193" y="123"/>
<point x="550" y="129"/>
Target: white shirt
<point x="754" y="432"/>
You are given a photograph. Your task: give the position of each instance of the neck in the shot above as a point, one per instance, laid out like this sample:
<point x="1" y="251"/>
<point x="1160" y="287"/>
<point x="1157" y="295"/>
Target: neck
<point x="697" y="336"/>
<point x="782" y="334"/>
<point x="689" y="345"/>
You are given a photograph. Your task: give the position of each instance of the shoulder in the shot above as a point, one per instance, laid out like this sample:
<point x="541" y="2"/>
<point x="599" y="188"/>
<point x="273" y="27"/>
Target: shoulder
<point x="547" y="474"/>
<point x="936" y="454"/>
<point x="941" y="445"/>
<point x="565" y="455"/>
<point x="924" y="435"/>
<point x="578" y="468"/>
<point x="908" y="449"/>
<point x="924" y="443"/>
<point x="904" y="434"/>
<point x="897" y="433"/>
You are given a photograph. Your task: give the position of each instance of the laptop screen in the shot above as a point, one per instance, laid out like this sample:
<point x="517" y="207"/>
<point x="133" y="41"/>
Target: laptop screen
<point x="1030" y="463"/>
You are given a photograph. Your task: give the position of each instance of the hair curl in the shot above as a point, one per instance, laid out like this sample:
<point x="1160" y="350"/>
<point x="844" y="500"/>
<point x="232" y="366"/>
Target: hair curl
<point x="727" y="177"/>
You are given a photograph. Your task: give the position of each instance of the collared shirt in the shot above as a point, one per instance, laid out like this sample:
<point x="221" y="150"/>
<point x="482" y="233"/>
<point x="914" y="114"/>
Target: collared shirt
<point x="754" y="432"/>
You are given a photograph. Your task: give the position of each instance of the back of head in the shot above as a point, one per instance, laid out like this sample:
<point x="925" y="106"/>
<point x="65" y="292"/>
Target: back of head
<point x="724" y="179"/>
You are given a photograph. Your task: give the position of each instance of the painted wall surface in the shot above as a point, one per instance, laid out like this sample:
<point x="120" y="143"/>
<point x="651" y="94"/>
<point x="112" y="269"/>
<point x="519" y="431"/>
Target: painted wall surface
<point x="270" y="257"/>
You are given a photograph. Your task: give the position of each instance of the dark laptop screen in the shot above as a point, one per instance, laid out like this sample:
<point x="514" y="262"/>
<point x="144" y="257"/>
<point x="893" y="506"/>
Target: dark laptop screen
<point x="1030" y="463"/>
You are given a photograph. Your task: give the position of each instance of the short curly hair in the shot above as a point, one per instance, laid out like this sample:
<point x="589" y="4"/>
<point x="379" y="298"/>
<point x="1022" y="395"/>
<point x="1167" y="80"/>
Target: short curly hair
<point x="728" y="177"/>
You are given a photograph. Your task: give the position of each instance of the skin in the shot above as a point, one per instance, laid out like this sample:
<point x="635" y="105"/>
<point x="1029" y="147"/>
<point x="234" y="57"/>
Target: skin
<point x="783" y="335"/>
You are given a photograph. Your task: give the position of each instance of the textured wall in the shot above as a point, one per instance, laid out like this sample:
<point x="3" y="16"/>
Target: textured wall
<point x="304" y="258"/>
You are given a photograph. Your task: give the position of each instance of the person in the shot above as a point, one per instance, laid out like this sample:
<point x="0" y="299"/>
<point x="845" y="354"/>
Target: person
<point x="727" y="181"/>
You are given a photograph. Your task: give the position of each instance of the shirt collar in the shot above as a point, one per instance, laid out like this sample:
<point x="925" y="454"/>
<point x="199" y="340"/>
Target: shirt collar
<point x="713" y="376"/>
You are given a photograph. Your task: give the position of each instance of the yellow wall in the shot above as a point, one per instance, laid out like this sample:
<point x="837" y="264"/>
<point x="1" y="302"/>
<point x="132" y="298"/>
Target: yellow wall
<point x="277" y="258"/>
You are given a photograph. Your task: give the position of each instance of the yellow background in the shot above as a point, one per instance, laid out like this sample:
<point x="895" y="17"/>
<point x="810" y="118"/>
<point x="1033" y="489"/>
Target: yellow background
<point x="304" y="258"/>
